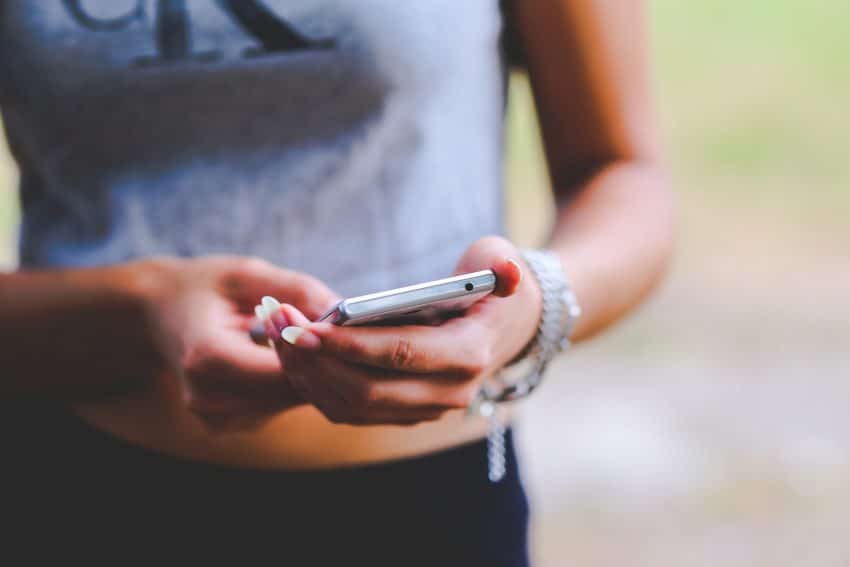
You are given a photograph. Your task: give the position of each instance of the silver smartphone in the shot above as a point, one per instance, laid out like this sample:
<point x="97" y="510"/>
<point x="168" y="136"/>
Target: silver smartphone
<point x="423" y="303"/>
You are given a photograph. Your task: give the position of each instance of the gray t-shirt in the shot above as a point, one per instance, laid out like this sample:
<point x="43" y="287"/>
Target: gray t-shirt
<point x="356" y="140"/>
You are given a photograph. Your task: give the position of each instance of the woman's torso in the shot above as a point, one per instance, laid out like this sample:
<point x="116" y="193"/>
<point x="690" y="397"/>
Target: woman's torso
<point x="356" y="141"/>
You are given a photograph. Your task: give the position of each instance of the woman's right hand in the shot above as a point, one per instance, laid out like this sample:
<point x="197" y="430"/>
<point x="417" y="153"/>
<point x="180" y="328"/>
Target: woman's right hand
<point x="412" y="373"/>
<point x="201" y="311"/>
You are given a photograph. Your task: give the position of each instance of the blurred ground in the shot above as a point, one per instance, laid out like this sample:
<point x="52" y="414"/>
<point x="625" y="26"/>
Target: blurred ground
<point x="711" y="428"/>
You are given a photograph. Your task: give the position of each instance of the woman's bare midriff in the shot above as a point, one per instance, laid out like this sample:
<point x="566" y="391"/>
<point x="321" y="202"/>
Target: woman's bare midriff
<point x="300" y="438"/>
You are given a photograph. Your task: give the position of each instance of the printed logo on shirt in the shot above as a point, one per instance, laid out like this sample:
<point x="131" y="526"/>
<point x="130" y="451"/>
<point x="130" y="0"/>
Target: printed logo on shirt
<point x="274" y="35"/>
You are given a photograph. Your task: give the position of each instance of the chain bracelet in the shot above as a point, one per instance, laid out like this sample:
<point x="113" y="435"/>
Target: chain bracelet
<point x="560" y="311"/>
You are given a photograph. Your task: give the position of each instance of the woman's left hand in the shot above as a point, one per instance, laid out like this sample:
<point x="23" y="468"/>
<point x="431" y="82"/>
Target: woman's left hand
<point x="409" y="374"/>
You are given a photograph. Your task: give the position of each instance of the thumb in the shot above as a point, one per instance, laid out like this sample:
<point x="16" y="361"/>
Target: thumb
<point x="497" y="254"/>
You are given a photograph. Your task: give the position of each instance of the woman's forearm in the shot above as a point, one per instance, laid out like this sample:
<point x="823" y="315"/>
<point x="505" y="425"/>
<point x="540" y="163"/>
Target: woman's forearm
<point x="615" y="239"/>
<point x="75" y="333"/>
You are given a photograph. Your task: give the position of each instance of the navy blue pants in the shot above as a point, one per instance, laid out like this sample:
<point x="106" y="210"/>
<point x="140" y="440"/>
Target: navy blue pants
<point x="66" y="481"/>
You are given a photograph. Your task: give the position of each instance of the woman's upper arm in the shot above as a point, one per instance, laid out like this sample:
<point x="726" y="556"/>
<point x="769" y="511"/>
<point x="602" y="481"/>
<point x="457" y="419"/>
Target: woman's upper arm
<point x="588" y="65"/>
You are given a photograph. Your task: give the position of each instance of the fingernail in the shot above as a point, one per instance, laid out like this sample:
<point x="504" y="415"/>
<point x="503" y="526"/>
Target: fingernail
<point x="261" y="313"/>
<point x="296" y="336"/>
<point x="271" y="304"/>
<point x="515" y="263"/>
<point x="292" y="334"/>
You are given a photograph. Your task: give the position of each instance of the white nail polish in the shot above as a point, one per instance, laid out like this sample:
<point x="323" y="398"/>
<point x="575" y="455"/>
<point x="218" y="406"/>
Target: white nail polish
<point x="292" y="334"/>
<point x="261" y="313"/>
<point x="271" y="305"/>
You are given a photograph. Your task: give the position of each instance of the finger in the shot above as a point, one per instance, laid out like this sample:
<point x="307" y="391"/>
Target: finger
<point x="295" y="316"/>
<point x="458" y="347"/>
<point x="381" y="416"/>
<point x="347" y="394"/>
<point x="251" y="325"/>
<point x="415" y="395"/>
<point x="497" y="254"/>
<point x="362" y="390"/>
<point x="250" y="279"/>
<point x="297" y="333"/>
<point x="312" y="379"/>
<point x="232" y="360"/>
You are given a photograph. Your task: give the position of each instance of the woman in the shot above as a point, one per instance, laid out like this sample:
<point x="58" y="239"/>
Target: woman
<point x="179" y="161"/>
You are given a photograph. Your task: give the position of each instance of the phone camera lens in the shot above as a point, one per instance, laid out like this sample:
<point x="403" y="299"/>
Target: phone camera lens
<point x="469" y="287"/>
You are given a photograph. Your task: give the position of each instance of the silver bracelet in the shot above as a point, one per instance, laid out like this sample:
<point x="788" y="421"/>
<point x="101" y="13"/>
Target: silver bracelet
<point x="560" y="311"/>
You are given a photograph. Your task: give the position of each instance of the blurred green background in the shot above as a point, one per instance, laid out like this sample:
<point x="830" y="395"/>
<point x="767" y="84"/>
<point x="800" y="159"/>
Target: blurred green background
<point x="711" y="428"/>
